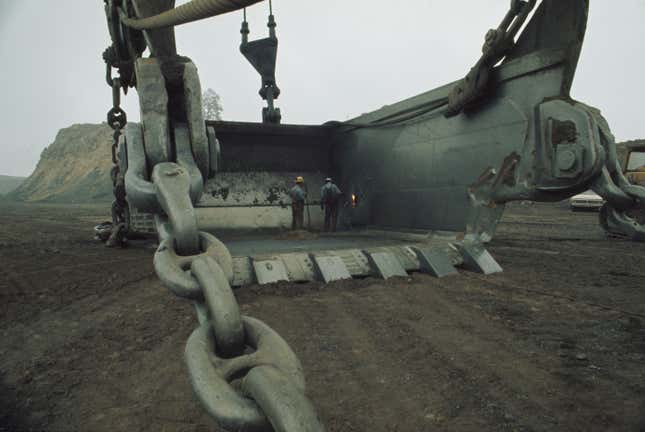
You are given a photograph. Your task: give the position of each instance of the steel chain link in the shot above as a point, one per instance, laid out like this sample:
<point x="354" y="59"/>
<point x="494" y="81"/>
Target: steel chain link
<point x="243" y="373"/>
<point x="497" y="44"/>
<point x="117" y="119"/>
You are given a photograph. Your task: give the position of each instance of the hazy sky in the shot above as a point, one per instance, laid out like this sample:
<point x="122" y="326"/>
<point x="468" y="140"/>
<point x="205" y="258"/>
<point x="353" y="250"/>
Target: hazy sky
<point x="337" y="59"/>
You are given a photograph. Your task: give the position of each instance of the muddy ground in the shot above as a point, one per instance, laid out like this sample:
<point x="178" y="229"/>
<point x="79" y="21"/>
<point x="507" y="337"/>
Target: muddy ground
<point x="90" y="341"/>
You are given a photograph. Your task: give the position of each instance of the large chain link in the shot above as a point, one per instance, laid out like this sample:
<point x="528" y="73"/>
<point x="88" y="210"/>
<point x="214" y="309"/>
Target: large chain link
<point x="126" y="46"/>
<point x="244" y="374"/>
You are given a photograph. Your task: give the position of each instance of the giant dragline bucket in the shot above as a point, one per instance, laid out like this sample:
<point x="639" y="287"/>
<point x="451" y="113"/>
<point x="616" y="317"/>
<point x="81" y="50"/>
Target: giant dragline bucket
<point x="425" y="180"/>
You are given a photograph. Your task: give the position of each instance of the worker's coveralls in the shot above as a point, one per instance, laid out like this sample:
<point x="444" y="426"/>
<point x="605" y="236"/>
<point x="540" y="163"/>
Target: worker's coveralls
<point x="330" y="201"/>
<point x="297" y="195"/>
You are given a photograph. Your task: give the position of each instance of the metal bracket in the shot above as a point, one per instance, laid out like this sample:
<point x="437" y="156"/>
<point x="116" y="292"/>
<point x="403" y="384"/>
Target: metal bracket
<point x="262" y="54"/>
<point x="172" y="184"/>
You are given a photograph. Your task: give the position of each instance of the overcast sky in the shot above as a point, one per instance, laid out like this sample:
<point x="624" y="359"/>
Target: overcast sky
<point x="337" y="59"/>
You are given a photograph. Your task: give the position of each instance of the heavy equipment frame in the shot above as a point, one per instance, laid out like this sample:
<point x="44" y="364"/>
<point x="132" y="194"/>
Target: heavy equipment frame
<point x="438" y="167"/>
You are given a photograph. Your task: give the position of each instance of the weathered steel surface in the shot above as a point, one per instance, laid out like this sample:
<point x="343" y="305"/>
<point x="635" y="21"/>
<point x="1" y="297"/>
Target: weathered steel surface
<point x="478" y="259"/>
<point x="445" y="161"/>
<point x="300" y="267"/>
<point x="222" y="401"/>
<point x="282" y="402"/>
<point x="170" y="266"/>
<point x="385" y="264"/>
<point x="258" y="189"/>
<point x="406" y="256"/>
<point x="185" y="159"/>
<point x="270" y="270"/>
<point x="443" y="173"/>
<point x="435" y="262"/>
<point x="258" y="164"/>
<point x="172" y="184"/>
<point x="332" y="256"/>
<point x="257" y="147"/>
<point x="153" y="102"/>
<point x="331" y="268"/>
<point x="198" y="141"/>
<point x="356" y="262"/>
<point x="160" y="41"/>
<point x="437" y="161"/>
<point x="142" y="196"/>
<point x="165" y="176"/>
<point x="226" y="320"/>
<point x="262" y="54"/>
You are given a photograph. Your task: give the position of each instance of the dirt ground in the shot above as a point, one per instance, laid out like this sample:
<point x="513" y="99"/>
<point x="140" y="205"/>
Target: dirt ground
<point x="90" y="341"/>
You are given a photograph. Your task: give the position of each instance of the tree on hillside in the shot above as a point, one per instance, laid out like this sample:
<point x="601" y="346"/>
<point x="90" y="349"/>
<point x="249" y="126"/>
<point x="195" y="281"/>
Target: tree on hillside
<point x="212" y="105"/>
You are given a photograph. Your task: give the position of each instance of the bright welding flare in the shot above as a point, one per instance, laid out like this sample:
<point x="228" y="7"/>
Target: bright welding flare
<point x="354" y="201"/>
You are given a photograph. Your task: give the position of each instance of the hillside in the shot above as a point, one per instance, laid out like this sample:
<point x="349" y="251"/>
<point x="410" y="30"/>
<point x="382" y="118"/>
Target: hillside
<point x="9" y="183"/>
<point x="75" y="168"/>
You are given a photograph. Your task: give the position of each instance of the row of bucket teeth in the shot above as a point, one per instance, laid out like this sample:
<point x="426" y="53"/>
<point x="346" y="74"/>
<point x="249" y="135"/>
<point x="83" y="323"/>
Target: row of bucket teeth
<point x="382" y="262"/>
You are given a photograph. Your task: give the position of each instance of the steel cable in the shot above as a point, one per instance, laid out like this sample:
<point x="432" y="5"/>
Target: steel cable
<point x="192" y="11"/>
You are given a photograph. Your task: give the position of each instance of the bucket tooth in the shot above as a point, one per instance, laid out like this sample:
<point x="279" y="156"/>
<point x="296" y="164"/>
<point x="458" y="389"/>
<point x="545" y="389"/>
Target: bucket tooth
<point x="385" y="264"/>
<point x="243" y="272"/>
<point x="435" y="262"/>
<point x="355" y="261"/>
<point x="406" y="256"/>
<point x="477" y="259"/>
<point x="300" y="267"/>
<point x="331" y="268"/>
<point x="269" y="270"/>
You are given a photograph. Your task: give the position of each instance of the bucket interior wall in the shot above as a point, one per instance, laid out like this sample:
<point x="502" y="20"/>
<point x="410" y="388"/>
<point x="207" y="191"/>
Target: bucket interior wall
<point x="257" y="167"/>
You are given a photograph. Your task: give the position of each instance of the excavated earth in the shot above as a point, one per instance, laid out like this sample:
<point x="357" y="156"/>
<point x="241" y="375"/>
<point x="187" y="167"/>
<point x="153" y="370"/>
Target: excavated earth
<point x="90" y="341"/>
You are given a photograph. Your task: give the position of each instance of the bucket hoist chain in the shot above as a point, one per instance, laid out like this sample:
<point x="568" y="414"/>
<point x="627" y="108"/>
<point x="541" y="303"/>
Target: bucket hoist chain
<point x="243" y="373"/>
<point x="127" y="45"/>
<point x="117" y="120"/>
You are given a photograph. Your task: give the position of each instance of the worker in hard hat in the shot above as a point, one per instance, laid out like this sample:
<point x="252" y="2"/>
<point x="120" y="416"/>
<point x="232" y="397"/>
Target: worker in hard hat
<point x="298" y="196"/>
<point x="329" y="201"/>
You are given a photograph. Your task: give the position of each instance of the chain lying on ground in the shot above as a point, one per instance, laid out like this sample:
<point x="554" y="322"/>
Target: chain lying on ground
<point x="244" y="374"/>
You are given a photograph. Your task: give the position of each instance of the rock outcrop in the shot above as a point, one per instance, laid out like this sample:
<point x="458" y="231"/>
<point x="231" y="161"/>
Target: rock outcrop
<point x="75" y="168"/>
